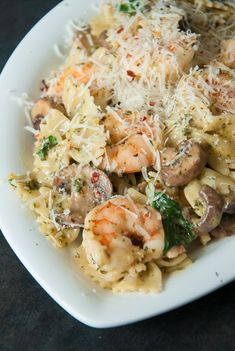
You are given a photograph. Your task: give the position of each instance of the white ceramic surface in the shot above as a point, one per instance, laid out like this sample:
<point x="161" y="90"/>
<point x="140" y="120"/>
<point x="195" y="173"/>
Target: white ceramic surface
<point x="55" y="269"/>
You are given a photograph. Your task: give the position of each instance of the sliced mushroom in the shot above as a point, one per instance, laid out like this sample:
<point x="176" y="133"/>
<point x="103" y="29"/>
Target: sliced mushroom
<point x="213" y="209"/>
<point x="179" y="167"/>
<point x="226" y="227"/>
<point x="213" y="204"/>
<point x="85" y="188"/>
<point x="229" y="205"/>
<point x="41" y="109"/>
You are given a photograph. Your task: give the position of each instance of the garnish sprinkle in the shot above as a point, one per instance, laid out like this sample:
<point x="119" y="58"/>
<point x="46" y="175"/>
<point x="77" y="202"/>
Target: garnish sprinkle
<point x="47" y="144"/>
<point x="178" y="230"/>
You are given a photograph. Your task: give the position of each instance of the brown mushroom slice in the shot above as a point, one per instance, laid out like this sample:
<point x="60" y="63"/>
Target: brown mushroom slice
<point x="42" y="108"/>
<point x="86" y="188"/>
<point x="181" y="166"/>
<point x="229" y="205"/>
<point x="63" y="180"/>
<point x="213" y="205"/>
<point x="226" y="227"/>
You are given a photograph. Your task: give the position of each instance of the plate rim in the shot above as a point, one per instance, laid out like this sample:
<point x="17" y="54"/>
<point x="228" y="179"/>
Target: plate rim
<point x="92" y="322"/>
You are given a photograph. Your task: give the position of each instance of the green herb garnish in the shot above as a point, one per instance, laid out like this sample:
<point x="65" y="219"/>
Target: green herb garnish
<point x="47" y="144"/>
<point x="178" y="230"/>
<point x="129" y="7"/>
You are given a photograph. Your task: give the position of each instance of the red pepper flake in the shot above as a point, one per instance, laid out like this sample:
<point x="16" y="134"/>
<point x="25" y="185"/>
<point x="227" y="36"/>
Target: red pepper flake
<point x="121" y="29"/>
<point x="143" y="118"/>
<point x="129" y="56"/>
<point x="95" y="177"/>
<point x="97" y="194"/>
<point x="152" y="103"/>
<point x="172" y="48"/>
<point x="131" y="74"/>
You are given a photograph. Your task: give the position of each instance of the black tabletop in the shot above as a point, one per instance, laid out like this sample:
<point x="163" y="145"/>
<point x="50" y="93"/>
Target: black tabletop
<point x="31" y="320"/>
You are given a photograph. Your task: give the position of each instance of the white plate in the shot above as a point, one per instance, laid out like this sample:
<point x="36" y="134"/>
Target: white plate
<point x="55" y="269"/>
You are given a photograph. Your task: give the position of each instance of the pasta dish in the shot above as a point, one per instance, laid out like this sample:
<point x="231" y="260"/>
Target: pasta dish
<point x="134" y="140"/>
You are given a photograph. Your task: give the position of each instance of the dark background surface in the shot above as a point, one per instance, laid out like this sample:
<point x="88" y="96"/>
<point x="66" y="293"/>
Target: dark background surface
<point x="31" y="320"/>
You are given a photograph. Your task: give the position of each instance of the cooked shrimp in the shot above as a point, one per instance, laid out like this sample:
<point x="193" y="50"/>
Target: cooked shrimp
<point x="223" y="95"/>
<point x="129" y="157"/>
<point x="121" y="124"/>
<point x="221" y="87"/>
<point x="134" y="137"/>
<point x="81" y="73"/>
<point x="121" y="235"/>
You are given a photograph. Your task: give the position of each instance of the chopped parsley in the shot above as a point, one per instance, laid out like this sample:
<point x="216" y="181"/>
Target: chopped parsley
<point x="47" y="144"/>
<point x="178" y="230"/>
<point x="129" y="7"/>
